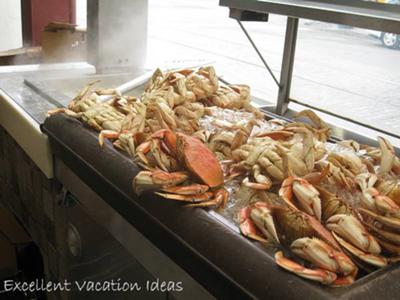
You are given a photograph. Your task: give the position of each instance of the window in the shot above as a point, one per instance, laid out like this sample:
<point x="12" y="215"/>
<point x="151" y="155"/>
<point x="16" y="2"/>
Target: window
<point x="350" y="71"/>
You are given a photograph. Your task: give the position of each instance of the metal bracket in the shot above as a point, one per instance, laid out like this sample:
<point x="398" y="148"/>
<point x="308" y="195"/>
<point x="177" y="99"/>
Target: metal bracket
<point x="245" y="15"/>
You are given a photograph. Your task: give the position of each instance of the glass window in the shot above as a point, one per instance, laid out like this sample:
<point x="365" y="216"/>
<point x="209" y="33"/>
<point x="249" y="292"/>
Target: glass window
<point x="350" y="71"/>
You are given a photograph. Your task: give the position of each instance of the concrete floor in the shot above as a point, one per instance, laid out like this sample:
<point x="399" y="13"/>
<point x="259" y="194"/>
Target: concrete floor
<point x="344" y="70"/>
<point x="340" y="69"/>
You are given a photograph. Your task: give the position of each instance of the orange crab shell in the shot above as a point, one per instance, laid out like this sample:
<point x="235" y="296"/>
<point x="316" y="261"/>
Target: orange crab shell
<point x="199" y="160"/>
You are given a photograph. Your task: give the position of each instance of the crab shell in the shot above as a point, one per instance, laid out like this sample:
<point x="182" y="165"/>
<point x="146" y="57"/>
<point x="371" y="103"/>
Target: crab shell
<point x="199" y="160"/>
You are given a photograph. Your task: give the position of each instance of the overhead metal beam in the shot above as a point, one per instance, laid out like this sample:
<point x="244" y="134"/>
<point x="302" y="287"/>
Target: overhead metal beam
<point x="381" y="17"/>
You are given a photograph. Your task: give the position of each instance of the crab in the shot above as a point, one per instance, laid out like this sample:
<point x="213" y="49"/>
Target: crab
<point x="230" y="137"/>
<point x="314" y="123"/>
<point x="381" y="213"/>
<point x="88" y="108"/>
<point x="233" y="97"/>
<point x="305" y="237"/>
<point x="386" y="157"/>
<point x="376" y="205"/>
<point x="388" y="183"/>
<point x="195" y="161"/>
<point x="297" y="148"/>
<point x="336" y="215"/>
<point x="181" y="86"/>
<point x="259" y="157"/>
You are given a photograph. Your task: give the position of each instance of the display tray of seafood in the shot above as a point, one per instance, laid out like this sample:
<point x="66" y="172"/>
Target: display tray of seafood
<point x="326" y="211"/>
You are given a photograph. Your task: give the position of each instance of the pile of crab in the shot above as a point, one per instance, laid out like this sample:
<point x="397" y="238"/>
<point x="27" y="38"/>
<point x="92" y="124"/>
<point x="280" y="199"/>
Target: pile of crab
<point x="332" y="209"/>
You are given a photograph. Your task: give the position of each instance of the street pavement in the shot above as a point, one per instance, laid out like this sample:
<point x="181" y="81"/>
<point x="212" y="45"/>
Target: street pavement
<point x="344" y="70"/>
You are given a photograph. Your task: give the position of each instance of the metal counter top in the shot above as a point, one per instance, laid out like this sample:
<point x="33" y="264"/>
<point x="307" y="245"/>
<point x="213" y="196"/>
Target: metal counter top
<point x="28" y="92"/>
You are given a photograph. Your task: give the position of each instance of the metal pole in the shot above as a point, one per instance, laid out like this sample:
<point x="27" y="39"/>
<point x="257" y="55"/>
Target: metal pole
<point x="258" y="52"/>
<point x="289" y="50"/>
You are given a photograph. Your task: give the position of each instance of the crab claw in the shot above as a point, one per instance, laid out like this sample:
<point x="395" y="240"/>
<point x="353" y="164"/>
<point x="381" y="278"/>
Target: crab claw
<point x="351" y="229"/>
<point x="306" y="194"/>
<point x="387" y="157"/>
<point x="373" y="200"/>
<point x="322" y="255"/>
<point x="319" y="275"/>
<point x="247" y="226"/>
<point x="320" y="128"/>
<point x="371" y="259"/>
<point x="262" y="218"/>
<point x="107" y="134"/>
<point x="147" y="180"/>
<point x="255" y="185"/>
<point x="390" y="188"/>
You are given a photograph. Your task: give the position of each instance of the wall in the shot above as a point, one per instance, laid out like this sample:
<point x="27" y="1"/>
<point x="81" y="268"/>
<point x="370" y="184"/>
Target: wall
<point x="10" y="25"/>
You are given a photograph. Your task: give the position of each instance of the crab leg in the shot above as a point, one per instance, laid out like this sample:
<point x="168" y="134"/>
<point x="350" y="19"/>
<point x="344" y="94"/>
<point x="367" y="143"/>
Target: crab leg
<point x="388" y="221"/>
<point x="187" y="198"/>
<point x="255" y="185"/>
<point x="390" y="236"/>
<point x="389" y="247"/>
<point x="319" y="275"/>
<point x="276" y="135"/>
<point x="220" y="199"/>
<point x="108" y="134"/>
<point x="346" y="280"/>
<point x="192" y="189"/>
<point x="141" y="151"/>
<point x="162" y="159"/>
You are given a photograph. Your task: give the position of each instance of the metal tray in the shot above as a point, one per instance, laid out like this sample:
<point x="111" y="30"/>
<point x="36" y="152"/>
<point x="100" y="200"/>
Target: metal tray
<point x="228" y="265"/>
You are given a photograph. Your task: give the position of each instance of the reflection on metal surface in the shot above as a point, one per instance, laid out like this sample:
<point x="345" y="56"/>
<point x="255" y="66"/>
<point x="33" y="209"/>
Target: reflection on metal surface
<point x="224" y="221"/>
<point x="69" y="68"/>
<point x="74" y="241"/>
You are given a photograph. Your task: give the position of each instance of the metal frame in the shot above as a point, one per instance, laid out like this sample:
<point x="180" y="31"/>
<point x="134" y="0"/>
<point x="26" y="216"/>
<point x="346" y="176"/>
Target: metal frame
<point x="358" y="13"/>
<point x="289" y="51"/>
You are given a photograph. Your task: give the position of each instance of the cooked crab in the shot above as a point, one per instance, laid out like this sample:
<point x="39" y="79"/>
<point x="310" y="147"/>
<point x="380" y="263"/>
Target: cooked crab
<point x="336" y="215"/>
<point x="305" y="237"/>
<point x="190" y="156"/>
